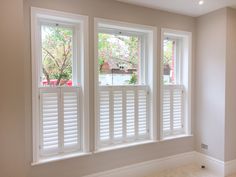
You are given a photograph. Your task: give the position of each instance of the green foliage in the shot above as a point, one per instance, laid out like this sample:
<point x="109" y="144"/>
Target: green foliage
<point x="134" y="79"/>
<point x="57" y="53"/>
<point x="168" y="52"/>
<point x="118" y="49"/>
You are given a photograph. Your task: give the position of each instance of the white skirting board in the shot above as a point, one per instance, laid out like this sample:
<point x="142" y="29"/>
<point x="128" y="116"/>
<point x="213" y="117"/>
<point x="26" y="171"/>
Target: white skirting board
<point x="214" y="165"/>
<point x="149" y="167"/>
<point x="220" y="168"/>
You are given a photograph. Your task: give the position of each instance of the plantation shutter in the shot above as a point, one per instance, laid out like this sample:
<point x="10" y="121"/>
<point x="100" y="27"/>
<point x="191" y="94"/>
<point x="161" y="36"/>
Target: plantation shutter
<point x="72" y="119"/>
<point x="123" y="114"/>
<point x="49" y="121"/>
<point x="60" y="120"/>
<point x="104" y="115"/>
<point x="172" y="110"/>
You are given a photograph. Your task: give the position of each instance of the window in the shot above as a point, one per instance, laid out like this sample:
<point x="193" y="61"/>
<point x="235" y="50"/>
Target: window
<point x="59" y="87"/>
<point x="176" y="83"/>
<point x="124" y="93"/>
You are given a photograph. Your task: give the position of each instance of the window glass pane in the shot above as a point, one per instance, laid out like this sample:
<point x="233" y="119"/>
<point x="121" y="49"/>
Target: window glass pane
<point x="119" y="59"/>
<point x="169" y="62"/>
<point x="57" y="53"/>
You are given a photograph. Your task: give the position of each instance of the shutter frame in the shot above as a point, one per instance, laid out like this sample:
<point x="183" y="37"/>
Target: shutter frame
<point x="60" y="93"/>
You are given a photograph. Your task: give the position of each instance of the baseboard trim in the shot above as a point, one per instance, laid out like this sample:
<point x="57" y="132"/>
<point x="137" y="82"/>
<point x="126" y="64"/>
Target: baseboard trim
<point x="214" y="165"/>
<point x="149" y="167"/>
<point x="218" y="167"/>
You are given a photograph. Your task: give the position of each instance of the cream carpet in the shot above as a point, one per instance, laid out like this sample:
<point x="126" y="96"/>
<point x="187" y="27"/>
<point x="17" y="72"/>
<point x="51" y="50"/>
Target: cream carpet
<point x="187" y="171"/>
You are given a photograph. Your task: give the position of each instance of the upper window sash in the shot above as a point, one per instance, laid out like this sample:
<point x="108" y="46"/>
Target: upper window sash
<point x="141" y="66"/>
<point x="177" y="58"/>
<point x="75" y="51"/>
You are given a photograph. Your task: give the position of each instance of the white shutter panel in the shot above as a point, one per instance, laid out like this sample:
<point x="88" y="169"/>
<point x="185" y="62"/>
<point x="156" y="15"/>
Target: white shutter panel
<point x="104" y="115"/>
<point x="123" y="114"/>
<point x="49" y="121"/>
<point x="177" y="109"/>
<point x="172" y="110"/>
<point x="118" y="116"/>
<point x="143" y="122"/>
<point x="166" y="110"/>
<point x="130" y="113"/>
<point x="72" y="118"/>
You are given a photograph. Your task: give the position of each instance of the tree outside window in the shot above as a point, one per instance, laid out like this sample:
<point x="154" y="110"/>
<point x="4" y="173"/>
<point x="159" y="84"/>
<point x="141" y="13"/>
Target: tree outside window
<point x="119" y="59"/>
<point x="57" y="50"/>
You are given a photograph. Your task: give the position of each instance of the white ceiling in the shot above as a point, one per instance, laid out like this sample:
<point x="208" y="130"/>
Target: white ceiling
<point x="186" y="7"/>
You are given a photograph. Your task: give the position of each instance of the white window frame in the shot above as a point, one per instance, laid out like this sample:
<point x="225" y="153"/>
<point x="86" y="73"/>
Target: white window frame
<point x="151" y="70"/>
<point x="185" y="79"/>
<point x="82" y="74"/>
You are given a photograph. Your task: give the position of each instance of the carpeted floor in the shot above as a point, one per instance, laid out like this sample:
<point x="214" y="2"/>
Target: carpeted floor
<point x="187" y="171"/>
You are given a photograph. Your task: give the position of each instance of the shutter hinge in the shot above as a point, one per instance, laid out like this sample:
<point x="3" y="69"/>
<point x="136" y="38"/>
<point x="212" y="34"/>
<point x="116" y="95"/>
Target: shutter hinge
<point x="40" y="147"/>
<point x="39" y="96"/>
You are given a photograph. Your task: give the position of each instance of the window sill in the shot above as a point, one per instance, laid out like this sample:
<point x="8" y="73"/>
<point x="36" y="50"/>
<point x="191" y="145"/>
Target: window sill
<point x="175" y="137"/>
<point x="60" y="157"/>
<point x="117" y="147"/>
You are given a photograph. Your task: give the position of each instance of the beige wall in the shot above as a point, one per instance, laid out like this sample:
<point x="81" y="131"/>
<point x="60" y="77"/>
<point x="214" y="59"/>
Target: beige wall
<point x="15" y="102"/>
<point x="210" y="72"/>
<point x="12" y="119"/>
<point x="215" y="113"/>
<point x="230" y="124"/>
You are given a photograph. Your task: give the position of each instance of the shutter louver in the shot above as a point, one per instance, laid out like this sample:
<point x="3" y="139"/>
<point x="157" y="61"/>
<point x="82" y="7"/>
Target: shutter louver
<point x="71" y="119"/>
<point x="60" y="120"/>
<point x="123" y="114"/>
<point x="172" y="110"/>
